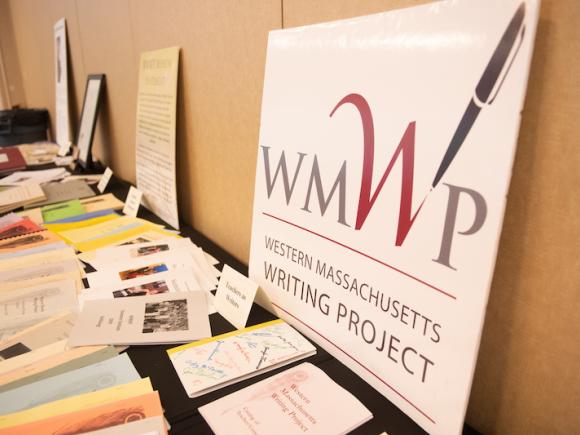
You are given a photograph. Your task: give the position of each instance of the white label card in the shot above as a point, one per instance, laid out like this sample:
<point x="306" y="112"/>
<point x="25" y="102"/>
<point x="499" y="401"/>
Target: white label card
<point x="105" y="178"/>
<point x="234" y="296"/>
<point x="132" y="202"/>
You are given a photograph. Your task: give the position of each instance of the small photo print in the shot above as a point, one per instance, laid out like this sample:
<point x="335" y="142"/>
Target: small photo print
<point x="165" y="316"/>
<point x="148" y="250"/>
<point x="135" y="241"/>
<point x="143" y="271"/>
<point x="151" y="288"/>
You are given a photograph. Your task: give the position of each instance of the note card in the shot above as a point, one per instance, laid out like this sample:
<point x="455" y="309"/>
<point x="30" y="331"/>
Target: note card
<point x="132" y="202"/>
<point x="234" y="297"/>
<point x="105" y="178"/>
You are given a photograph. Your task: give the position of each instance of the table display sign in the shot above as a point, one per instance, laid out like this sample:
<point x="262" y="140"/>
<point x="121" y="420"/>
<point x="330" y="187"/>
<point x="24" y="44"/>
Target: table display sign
<point x="156" y="121"/>
<point x="385" y="155"/>
<point x="61" y="79"/>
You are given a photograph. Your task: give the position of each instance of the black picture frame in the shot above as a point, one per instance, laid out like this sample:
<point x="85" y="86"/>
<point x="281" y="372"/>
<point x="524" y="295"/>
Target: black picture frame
<point x="86" y="131"/>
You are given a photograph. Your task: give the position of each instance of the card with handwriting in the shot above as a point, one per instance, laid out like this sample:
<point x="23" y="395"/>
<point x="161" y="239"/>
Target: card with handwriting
<point x="216" y="362"/>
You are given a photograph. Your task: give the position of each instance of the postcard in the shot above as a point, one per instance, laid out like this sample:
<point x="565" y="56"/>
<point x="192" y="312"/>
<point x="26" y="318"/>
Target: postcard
<point x="155" y="319"/>
<point x="60" y="192"/>
<point x="23" y="226"/>
<point x="53" y="329"/>
<point x="141" y="266"/>
<point x="298" y="400"/>
<point x="65" y="361"/>
<point x="77" y="403"/>
<point x="97" y="417"/>
<point x="216" y="362"/>
<point x="143" y="286"/>
<point x="114" y="371"/>
<point x="147" y="426"/>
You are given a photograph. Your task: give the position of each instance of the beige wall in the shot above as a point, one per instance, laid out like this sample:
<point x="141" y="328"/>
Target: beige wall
<point x="528" y="375"/>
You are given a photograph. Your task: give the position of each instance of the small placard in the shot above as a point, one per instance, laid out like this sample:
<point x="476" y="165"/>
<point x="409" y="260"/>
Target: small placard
<point x="64" y="149"/>
<point x="132" y="202"/>
<point x="104" y="179"/>
<point x="234" y="296"/>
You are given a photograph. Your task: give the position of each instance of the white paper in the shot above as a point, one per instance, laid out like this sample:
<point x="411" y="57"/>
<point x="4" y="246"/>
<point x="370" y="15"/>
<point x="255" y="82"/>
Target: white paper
<point x="104" y="181"/>
<point x="132" y="202"/>
<point x="61" y="76"/>
<point x="235" y="296"/>
<point x="156" y="121"/>
<point x="88" y="116"/>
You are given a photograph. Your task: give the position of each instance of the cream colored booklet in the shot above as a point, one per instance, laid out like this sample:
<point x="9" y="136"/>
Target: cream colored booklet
<point x="163" y="318"/>
<point x="299" y="400"/>
<point x="216" y="362"/>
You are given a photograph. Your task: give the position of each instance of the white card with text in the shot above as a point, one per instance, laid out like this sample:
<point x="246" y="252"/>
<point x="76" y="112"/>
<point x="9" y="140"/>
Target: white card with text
<point x="104" y="181"/>
<point x="132" y="202"/>
<point x="234" y="297"/>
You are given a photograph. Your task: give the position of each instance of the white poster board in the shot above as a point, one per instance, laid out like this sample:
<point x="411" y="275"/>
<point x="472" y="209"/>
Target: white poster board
<point x="156" y="121"/>
<point x="61" y="78"/>
<point x="385" y="154"/>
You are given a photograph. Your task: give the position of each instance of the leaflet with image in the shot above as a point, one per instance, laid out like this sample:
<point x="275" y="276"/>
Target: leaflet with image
<point x="155" y="319"/>
<point x="216" y="362"/>
<point x="165" y="282"/>
<point x="178" y="261"/>
<point x="114" y="371"/>
<point x="298" y="400"/>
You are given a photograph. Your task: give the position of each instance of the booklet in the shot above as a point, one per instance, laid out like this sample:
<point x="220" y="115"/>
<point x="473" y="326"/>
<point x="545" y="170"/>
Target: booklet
<point x="216" y="362"/>
<point x="154" y="319"/>
<point x="114" y="371"/>
<point x="298" y="400"/>
<point x="77" y="403"/>
<point x="98" y="417"/>
<point x="165" y="282"/>
<point x="147" y="426"/>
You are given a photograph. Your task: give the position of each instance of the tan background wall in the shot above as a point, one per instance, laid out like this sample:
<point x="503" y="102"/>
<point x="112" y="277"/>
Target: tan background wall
<point x="528" y="375"/>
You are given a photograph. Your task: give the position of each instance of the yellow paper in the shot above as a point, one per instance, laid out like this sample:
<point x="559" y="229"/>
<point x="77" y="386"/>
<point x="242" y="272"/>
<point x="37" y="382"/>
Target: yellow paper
<point x="101" y="229"/>
<point x="77" y="403"/>
<point x="116" y="238"/>
<point x="67" y="226"/>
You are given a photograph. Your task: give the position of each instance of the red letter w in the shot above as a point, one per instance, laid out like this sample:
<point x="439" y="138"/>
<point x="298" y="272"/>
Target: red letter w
<point x="406" y="148"/>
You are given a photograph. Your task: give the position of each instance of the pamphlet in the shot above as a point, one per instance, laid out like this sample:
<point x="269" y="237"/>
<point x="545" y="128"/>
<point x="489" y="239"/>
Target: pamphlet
<point x="154" y="319"/>
<point x="114" y="371"/>
<point x="298" y="400"/>
<point x="216" y="362"/>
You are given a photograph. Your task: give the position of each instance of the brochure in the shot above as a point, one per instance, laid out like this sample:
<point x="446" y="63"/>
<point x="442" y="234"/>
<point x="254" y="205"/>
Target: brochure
<point x="216" y="362"/>
<point x="298" y="400"/>
<point x="155" y="319"/>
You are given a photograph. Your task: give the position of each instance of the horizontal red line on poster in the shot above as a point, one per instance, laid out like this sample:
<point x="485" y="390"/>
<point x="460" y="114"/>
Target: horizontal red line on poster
<point x="356" y="251"/>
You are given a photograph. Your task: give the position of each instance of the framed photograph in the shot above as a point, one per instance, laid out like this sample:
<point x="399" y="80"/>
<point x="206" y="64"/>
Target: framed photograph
<point x="93" y="91"/>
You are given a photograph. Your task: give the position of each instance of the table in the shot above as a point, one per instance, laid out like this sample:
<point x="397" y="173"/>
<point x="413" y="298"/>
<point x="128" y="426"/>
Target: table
<point x="181" y="411"/>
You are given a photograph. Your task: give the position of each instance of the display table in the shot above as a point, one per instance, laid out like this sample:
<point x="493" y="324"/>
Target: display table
<point x="182" y="412"/>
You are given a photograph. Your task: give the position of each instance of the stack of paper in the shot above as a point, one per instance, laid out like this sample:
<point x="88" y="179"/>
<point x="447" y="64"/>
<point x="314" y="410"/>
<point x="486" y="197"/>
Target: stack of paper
<point x="34" y="177"/>
<point x="39" y="153"/>
<point x="14" y="197"/>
